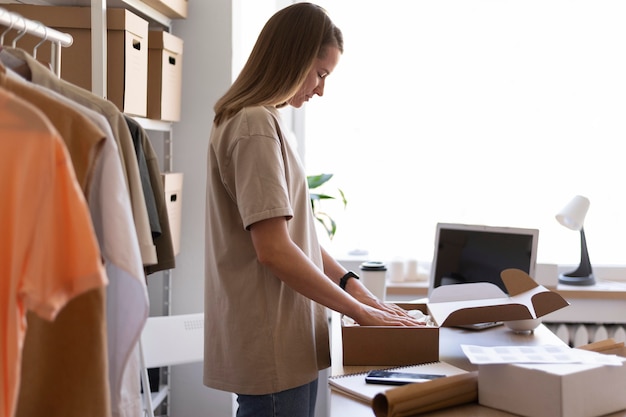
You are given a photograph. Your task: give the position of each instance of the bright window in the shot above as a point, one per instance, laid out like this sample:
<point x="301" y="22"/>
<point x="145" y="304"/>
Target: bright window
<point x="491" y="112"/>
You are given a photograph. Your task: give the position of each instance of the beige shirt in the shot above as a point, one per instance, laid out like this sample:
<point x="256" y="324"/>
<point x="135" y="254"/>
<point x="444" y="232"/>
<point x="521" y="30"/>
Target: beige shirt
<point x="260" y="335"/>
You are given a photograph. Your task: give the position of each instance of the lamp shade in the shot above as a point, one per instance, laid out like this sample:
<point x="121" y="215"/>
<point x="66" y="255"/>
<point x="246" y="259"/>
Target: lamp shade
<point x="573" y="214"/>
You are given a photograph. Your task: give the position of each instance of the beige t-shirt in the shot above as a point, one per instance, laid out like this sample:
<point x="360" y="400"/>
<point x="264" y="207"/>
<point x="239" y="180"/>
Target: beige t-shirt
<point x="260" y="335"/>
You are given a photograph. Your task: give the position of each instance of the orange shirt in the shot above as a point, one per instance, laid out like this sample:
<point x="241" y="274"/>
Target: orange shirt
<point x="48" y="250"/>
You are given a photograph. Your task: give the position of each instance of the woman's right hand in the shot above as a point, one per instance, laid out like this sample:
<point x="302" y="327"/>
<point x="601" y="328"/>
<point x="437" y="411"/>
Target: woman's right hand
<point x="373" y="316"/>
<point x="376" y="312"/>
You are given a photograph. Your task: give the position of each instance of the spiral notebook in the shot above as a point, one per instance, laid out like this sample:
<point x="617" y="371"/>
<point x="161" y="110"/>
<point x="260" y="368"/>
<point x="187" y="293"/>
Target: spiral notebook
<point x="354" y="385"/>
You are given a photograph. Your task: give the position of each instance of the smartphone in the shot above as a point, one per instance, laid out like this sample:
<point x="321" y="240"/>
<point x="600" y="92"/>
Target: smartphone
<point x="398" y="378"/>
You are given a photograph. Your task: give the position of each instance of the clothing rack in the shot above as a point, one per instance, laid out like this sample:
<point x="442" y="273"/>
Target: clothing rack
<point x="19" y="23"/>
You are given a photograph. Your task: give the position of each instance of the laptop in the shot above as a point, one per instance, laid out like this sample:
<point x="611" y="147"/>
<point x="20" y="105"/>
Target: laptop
<point x="475" y="253"/>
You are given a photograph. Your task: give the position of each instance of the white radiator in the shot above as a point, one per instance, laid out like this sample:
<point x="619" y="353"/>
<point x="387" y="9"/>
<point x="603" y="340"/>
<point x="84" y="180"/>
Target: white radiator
<point x="578" y="334"/>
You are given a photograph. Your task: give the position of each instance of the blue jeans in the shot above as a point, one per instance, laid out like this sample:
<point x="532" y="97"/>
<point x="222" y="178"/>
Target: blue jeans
<point x="294" y="402"/>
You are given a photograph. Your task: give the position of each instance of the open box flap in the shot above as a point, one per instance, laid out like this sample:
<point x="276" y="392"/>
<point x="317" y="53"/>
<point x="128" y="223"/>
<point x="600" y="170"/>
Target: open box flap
<point x="467" y="303"/>
<point x="517" y="281"/>
<point x="522" y="287"/>
<point x="482" y="314"/>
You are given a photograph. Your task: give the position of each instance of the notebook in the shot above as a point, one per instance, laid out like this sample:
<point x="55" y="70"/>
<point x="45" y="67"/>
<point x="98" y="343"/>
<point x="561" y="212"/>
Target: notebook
<point x="354" y="385"/>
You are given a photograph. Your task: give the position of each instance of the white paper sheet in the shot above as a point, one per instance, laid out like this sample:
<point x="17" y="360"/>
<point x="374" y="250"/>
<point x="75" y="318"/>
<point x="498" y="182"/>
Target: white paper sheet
<point x="483" y="355"/>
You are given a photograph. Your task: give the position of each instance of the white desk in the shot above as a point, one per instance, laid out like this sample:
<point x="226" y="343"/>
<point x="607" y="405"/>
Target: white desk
<point x="604" y="302"/>
<point x="450" y="341"/>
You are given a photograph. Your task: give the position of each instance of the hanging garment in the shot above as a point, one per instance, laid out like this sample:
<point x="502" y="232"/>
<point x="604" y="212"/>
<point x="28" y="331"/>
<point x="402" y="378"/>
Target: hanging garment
<point x="146" y="181"/>
<point x="164" y="245"/>
<point x="46" y="352"/>
<point x="112" y="218"/>
<point x="127" y="296"/>
<point x="48" y="250"/>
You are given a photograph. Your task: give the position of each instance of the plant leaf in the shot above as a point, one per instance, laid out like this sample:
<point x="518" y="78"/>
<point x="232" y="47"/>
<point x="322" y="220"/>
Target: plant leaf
<point x="343" y="197"/>
<point x="324" y="197"/>
<point x="329" y="224"/>
<point x="315" y="181"/>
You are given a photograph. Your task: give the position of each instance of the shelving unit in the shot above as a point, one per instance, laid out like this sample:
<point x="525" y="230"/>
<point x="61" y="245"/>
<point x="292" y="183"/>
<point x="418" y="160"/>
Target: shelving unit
<point x="99" y="86"/>
<point x="159" y="398"/>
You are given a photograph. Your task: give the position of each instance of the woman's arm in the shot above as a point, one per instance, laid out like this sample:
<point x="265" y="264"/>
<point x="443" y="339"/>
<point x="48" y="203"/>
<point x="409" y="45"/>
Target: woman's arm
<point x="276" y="251"/>
<point x="355" y="287"/>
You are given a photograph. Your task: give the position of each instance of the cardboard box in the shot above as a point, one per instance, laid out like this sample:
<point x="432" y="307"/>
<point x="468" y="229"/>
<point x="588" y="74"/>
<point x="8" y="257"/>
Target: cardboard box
<point x="455" y="305"/>
<point x="174" y="9"/>
<point x="553" y="390"/>
<point x="165" y="76"/>
<point x="451" y="305"/>
<point x="173" y="188"/>
<point x="381" y="345"/>
<point x="127" y="50"/>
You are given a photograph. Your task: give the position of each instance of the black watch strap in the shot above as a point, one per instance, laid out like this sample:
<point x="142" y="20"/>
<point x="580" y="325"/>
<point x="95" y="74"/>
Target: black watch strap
<point x="344" y="279"/>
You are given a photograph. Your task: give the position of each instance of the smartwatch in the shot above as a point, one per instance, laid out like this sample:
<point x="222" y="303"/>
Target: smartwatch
<point x="344" y="279"/>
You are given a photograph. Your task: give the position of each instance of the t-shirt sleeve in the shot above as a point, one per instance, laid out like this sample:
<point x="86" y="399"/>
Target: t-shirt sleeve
<point x="64" y="259"/>
<point x="258" y="174"/>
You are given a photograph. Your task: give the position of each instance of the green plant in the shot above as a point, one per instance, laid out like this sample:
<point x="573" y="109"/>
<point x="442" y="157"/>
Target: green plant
<point x="325" y="219"/>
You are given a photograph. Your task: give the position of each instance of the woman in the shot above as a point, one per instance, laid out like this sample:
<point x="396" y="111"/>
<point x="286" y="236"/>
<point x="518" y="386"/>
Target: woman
<point x="268" y="281"/>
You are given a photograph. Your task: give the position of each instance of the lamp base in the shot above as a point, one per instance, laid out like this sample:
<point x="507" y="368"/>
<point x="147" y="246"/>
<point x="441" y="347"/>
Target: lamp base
<point x="571" y="280"/>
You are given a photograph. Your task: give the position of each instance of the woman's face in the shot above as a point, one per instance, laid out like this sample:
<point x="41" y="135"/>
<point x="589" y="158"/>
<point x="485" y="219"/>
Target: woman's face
<point x="314" y="83"/>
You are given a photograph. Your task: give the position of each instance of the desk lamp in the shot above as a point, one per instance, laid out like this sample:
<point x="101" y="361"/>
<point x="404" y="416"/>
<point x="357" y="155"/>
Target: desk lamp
<point x="572" y="216"/>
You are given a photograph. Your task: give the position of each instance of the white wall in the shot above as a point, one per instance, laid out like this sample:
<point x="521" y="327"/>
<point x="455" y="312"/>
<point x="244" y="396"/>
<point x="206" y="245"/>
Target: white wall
<point x="207" y="62"/>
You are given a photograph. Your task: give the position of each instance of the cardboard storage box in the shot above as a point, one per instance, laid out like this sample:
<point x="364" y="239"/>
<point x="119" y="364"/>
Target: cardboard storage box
<point x="380" y="345"/>
<point x="553" y="390"/>
<point x="451" y="305"/>
<point x="174" y="9"/>
<point x="173" y="188"/>
<point x="127" y="51"/>
<point x="165" y="75"/>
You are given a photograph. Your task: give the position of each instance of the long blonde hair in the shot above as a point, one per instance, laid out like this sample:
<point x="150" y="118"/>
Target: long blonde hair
<point x="283" y="55"/>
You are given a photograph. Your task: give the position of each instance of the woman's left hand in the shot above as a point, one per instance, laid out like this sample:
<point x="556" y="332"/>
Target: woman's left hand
<point x="362" y="294"/>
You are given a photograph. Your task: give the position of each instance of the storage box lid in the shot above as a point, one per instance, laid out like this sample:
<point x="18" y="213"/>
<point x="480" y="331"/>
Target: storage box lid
<point x="454" y="305"/>
<point x="158" y="39"/>
<point x="122" y="19"/>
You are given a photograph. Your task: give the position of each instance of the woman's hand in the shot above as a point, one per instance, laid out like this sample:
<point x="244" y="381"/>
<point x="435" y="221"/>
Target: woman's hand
<point x="380" y="313"/>
<point x="372" y="316"/>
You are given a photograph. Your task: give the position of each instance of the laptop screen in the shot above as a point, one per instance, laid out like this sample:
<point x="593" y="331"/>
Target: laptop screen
<point x="473" y="253"/>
